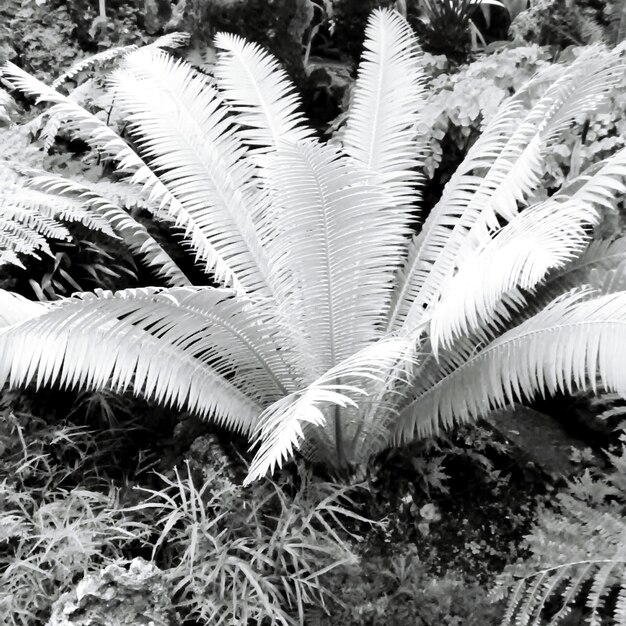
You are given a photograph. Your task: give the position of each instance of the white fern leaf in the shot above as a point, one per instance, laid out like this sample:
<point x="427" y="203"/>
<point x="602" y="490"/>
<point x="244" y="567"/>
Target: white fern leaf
<point x="388" y="97"/>
<point x="260" y="92"/>
<point x="134" y="234"/>
<point x="332" y="279"/>
<point x="98" y="134"/>
<point x="189" y="141"/>
<point x="15" y="308"/>
<point x="426" y="247"/>
<point x="573" y="342"/>
<point x="92" y="61"/>
<point x="512" y="177"/>
<point x="113" y="342"/>
<point x="170" y="40"/>
<point x="544" y="237"/>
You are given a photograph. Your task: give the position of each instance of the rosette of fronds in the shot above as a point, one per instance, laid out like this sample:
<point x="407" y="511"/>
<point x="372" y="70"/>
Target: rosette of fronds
<point x="578" y="556"/>
<point x="334" y="323"/>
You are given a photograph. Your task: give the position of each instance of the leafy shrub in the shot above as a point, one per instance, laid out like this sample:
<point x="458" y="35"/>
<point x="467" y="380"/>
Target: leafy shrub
<point x="463" y="102"/>
<point x="226" y="552"/>
<point x="577" y="556"/>
<point x="39" y="38"/>
<point x="399" y="590"/>
<point x="560" y="23"/>
<point x="326" y="298"/>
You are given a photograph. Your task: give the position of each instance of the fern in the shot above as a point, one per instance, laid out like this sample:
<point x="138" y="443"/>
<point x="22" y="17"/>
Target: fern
<point x="30" y="218"/>
<point x="578" y="556"/>
<point x="333" y="323"/>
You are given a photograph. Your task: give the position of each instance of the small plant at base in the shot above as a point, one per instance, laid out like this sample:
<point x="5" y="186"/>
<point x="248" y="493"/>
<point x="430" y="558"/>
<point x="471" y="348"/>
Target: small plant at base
<point x="252" y="555"/>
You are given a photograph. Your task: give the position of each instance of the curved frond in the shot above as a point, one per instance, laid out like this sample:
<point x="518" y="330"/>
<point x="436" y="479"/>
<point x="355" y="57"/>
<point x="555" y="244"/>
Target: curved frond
<point x="30" y="218"/>
<point x="134" y="234"/>
<point x="125" y="341"/>
<point x="425" y="248"/>
<point x="15" y="308"/>
<point x="542" y="238"/>
<point x="511" y="147"/>
<point x="573" y="342"/>
<point x="93" y="61"/>
<point x="190" y="142"/>
<point x="601" y="254"/>
<point x="97" y="134"/>
<point x="260" y="92"/>
<point x="388" y="97"/>
<point x="577" y="555"/>
<point x="170" y="40"/>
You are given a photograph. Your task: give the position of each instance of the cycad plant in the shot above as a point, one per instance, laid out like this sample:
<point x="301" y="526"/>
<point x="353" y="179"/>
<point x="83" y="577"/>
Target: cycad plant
<point x="334" y="324"/>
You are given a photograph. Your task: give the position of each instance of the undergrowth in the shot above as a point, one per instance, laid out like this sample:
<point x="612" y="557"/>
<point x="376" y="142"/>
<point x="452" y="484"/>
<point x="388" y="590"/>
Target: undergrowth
<point x="73" y="504"/>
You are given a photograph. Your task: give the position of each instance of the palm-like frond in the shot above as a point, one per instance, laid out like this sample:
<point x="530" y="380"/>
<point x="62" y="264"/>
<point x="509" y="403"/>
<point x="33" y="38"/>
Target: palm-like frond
<point x="260" y="93"/>
<point x="381" y="131"/>
<point x="93" y="61"/>
<point x="170" y="40"/>
<point x="134" y="234"/>
<point x="510" y="148"/>
<point x="280" y="429"/>
<point x="332" y="282"/>
<point x="542" y="238"/>
<point x="112" y="146"/>
<point x="128" y="341"/>
<point x="29" y="218"/>
<point x="571" y="343"/>
<point x="189" y="141"/>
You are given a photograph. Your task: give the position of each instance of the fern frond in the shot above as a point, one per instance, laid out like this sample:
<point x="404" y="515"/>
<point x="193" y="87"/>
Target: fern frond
<point x="126" y="341"/>
<point x="388" y="97"/>
<point x="30" y="218"/>
<point x="134" y="234"/>
<point x="15" y="308"/>
<point x="260" y="92"/>
<point x="542" y="238"/>
<point x="189" y="141"/>
<point x="95" y="132"/>
<point x="170" y="40"/>
<point x="577" y="553"/>
<point x="425" y="247"/>
<point x="95" y="60"/>
<point x="601" y="254"/>
<point x="511" y="147"/>
<point x="332" y="281"/>
<point x="571" y="343"/>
